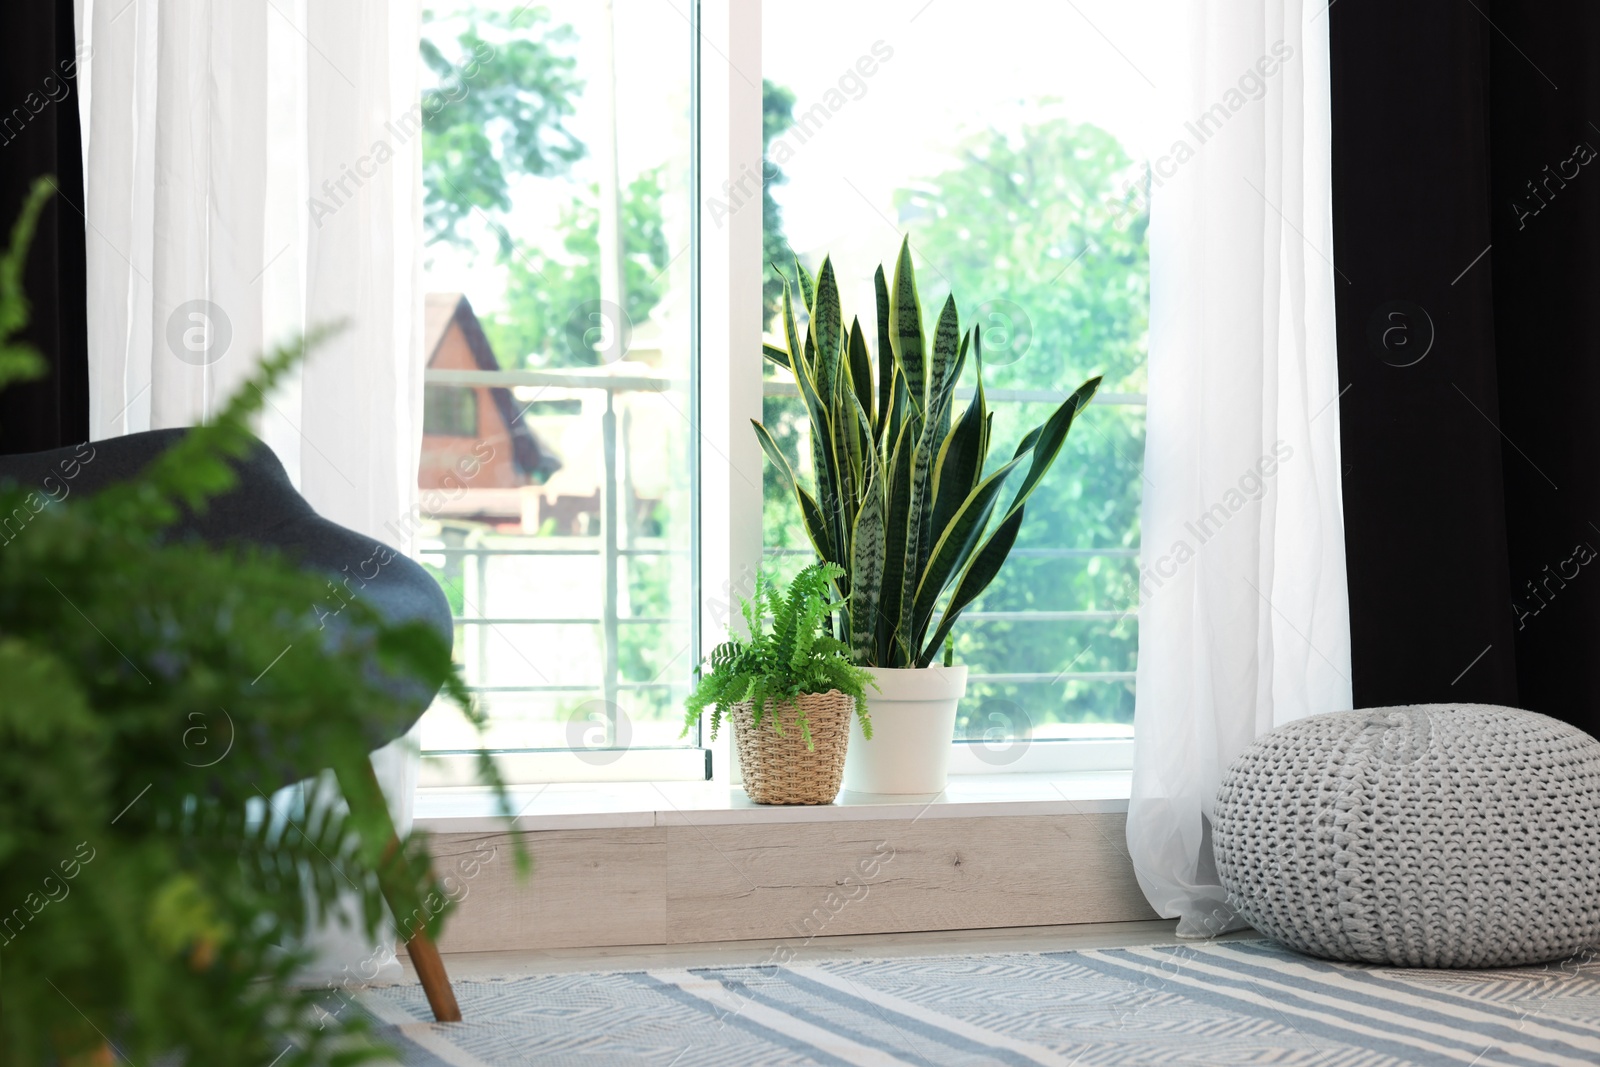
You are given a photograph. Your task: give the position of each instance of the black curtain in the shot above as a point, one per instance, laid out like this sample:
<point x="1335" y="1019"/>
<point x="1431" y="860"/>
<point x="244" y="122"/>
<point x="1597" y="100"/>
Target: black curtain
<point x="1466" y="182"/>
<point x="39" y="135"/>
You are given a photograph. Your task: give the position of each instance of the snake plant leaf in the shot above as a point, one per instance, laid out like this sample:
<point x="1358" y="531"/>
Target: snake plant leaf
<point x="942" y="409"/>
<point x="897" y="507"/>
<point x="808" y="287"/>
<point x="905" y="328"/>
<point x="897" y="408"/>
<point x="946" y="343"/>
<point x="824" y="457"/>
<point x="817" y="527"/>
<point x="824" y="331"/>
<point x="867" y="545"/>
<point x="791" y="336"/>
<point x="918" y="540"/>
<point x="824" y="461"/>
<point x="863" y="455"/>
<point x="950" y="353"/>
<point x="960" y="464"/>
<point x="846" y="443"/>
<point x="1051" y="436"/>
<point x="1029" y="439"/>
<point x="776" y="354"/>
<point x="980" y="400"/>
<point x="873" y="460"/>
<point x="974" y="580"/>
<point x="775" y="455"/>
<point x="956" y="544"/>
<point x="886" y="365"/>
<point x="861" y="373"/>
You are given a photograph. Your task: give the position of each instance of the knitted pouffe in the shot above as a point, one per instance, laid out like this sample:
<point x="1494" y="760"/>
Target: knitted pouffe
<point x="1437" y="835"/>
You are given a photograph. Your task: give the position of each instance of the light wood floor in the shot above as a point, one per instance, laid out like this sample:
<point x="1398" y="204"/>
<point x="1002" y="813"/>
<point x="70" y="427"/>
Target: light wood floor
<point x="511" y="964"/>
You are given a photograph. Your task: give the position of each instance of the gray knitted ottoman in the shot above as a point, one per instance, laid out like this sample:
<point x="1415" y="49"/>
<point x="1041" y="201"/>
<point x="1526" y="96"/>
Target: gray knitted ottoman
<point x="1436" y="835"/>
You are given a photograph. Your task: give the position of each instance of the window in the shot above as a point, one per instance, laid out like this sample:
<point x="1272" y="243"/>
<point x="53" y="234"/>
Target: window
<point x="557" y="210"/>
<point x="571" y="151"/>
<point x="450" y="411"/>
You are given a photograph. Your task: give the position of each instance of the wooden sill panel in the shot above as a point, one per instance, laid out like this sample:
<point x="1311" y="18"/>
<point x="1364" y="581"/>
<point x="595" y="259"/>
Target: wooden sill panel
<point x="683" y="882"/>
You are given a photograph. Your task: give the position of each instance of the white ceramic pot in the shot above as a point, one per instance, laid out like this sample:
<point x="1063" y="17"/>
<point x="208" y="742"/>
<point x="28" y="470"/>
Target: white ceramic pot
<point x="913" y="726"/>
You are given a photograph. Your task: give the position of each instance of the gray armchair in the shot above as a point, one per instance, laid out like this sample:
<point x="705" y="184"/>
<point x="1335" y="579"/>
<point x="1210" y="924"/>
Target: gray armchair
<point x="265" y="509"/>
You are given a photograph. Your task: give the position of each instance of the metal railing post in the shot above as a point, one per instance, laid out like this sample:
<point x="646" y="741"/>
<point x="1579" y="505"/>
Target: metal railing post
<point x="480" y="573"/>
<point x="608" y="530"/>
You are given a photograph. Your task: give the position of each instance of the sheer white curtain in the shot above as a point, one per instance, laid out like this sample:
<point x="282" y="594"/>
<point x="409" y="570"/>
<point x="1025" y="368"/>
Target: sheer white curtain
<point x="253" y="170"/>
<point x="1243" y="610"/>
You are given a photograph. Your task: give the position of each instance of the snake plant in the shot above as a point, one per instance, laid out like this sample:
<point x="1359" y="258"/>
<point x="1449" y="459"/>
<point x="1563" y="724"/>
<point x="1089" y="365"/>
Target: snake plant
<point x="903" y="502"/>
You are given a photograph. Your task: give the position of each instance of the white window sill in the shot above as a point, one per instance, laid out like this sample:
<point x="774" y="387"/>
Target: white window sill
<point x="613" y="805"/>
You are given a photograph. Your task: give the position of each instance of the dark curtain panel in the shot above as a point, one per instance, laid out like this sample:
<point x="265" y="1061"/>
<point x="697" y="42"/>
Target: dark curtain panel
<point x="1466" y="184"/>
<point x="39" y="134"/>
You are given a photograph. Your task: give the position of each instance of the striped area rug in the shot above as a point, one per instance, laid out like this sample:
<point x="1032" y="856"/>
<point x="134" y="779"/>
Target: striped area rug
<point x="1233" y="1002"/>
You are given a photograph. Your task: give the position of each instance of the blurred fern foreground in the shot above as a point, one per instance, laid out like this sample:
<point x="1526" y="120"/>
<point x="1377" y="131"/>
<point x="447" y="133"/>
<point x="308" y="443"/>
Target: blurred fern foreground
<point x="154" y="905"/>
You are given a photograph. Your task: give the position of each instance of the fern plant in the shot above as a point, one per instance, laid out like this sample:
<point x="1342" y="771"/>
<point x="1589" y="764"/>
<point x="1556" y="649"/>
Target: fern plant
<point x="153" y="907"/>
<point x="796" y="656"/>
<point x="903" y="502"/>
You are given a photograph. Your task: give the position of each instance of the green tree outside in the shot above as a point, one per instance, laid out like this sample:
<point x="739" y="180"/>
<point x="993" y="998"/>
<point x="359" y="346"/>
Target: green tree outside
<point x="496" y="111"/>
<point x="777" y="115"/>
<point x="543" y="323"/>
<point x="506" y="84"/>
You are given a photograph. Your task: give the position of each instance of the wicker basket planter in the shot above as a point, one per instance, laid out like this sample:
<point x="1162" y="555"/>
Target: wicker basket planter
<point x="781" y="770"/>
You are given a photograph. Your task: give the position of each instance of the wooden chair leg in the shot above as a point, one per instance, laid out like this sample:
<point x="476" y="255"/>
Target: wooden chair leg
<point x="419" y="946"/>
<point x="435" y="982"/>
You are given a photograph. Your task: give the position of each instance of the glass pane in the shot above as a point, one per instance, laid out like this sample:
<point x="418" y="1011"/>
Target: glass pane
<point x="1012" y="159"/>
<point x="451" y="411"/>
<point x="555" y="508"/>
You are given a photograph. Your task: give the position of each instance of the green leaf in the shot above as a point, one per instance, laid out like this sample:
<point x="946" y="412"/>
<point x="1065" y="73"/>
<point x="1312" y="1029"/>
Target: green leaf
<point x="960" y="464"/>
<point x="808" y="287"/>
<point x="919" y="514"/>
<point x="897" y="502"/>
<point x="940" y="409"/>
<point x="955" y="545"/>
<point x="776" y="354"/>
<point x="824" y="458"/>
<point x="898" y="409"/>
<point x="775" y="454"/>
<point x="846" y="444"/>
<point x="886" y="363"/>
<point x="825" y="331"/>
<point x="974" y="580"/>
<point x="20" y="361"/>
<point x="817" y="528"/>
<point x="791" y="338"/>
<point x="865" y="461"/>
<point x="1048" y="439"/>
<point x="861" y="373"/>
<point x="866" y="579"/>
<point x="905" y="328"/>
<point x="947" y="342"/>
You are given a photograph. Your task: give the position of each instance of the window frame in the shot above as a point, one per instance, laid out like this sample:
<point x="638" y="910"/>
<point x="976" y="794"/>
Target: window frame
<point x="725" y="394"/>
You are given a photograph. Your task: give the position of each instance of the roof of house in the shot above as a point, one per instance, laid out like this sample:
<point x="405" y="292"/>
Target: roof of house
<point x="532" y="456"/>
